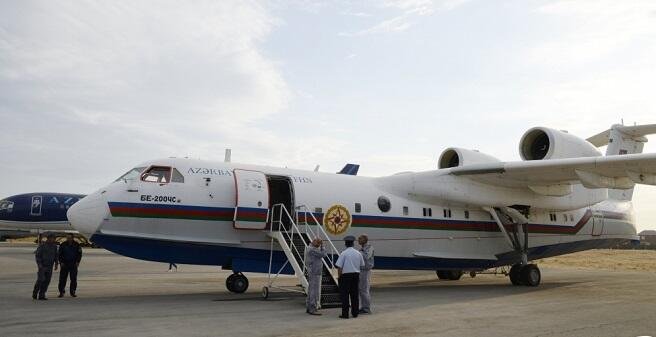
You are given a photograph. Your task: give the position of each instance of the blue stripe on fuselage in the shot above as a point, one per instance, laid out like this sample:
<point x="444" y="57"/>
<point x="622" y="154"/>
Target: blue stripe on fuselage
<point x="242" y="259"/>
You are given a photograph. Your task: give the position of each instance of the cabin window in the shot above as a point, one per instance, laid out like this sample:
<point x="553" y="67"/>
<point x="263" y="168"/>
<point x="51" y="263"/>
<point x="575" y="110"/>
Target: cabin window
<point x="565" y="217"/>
<point x="157" y="174"/>
<point x="423" y="211"/>
<point x="176" y="176"/>
<point x="318" y="210"/>
<point x="358" y="207"/>
<point x="430" y="211"/>
<point x="552" y="217"/>
<point x="466" y="214"/>
<point x="446" y="212"/>
<point x="406" y="210"/>
<point x="384" y="204"/>
<point x="132" y="174"/>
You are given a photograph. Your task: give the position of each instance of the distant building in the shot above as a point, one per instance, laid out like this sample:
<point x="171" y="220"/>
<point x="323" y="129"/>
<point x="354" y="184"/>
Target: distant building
<point x="648" y="239"/>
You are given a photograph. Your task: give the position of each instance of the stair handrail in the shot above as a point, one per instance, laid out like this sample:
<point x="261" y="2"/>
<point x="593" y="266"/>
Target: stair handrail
<point x="321" y="234"/>
<point x="285" y="231"/>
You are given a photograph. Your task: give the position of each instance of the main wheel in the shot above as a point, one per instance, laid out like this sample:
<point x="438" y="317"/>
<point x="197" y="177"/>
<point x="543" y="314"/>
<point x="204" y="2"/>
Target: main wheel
<point x="530" y="275"/>
<point x="449" y="275"/>
<point x="442" y="274"/>
<point x="515" y="275"/>
<point x="239" y="284"/>
<point x="455" y="275"/>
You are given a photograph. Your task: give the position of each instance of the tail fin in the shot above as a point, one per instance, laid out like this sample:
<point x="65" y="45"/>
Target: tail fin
<point x="622" y="140"/>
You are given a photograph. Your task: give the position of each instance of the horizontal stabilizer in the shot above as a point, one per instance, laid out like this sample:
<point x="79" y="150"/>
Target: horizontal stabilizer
<point x="456" y="256"/>
<point x="350" y="169"/>
<point x="636" y="131"/>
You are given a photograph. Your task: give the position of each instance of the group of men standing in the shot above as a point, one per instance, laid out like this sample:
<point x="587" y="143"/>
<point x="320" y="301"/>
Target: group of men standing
<point x="354" y="271"/>
<point x="49" y="255"/>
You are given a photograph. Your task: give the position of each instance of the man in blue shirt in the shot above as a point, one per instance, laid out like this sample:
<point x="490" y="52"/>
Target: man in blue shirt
<point x="348" y="268"/>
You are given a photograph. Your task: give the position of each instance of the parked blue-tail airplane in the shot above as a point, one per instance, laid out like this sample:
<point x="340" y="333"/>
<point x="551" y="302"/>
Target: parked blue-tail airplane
<point x="37" y="212"/>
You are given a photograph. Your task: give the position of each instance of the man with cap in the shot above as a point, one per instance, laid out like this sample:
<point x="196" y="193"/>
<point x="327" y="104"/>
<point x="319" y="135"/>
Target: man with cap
<point x="46" y="258"/>
<point x="314" y="263"/>
<point x="367" y="252"/>
<point x="70" y="255"/>
<point x="349" y="263"/>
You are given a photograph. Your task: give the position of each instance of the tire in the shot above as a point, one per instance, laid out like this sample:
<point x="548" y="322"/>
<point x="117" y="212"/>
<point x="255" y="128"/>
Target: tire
<point x="229" y="282"/>
<point x="449" y="275"/>
<point x="442" y="274"/>
<point x="239" y="284"/>
<point x="455" y="275"/>
<point x="515" y="275"/>
<point x="530" y="275"/>
<point x="265" y="292"/>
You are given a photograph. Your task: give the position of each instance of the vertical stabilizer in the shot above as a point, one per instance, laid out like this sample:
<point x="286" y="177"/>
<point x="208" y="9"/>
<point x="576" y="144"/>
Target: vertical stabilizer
<point x="623" y="140"/>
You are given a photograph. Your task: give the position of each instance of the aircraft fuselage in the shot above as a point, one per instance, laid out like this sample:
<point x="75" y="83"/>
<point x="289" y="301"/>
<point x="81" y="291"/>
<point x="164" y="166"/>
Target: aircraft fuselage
<point x="193" y="220"/>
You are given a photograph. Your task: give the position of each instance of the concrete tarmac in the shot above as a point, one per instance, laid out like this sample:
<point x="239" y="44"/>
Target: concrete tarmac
<point x="119" y="296"/>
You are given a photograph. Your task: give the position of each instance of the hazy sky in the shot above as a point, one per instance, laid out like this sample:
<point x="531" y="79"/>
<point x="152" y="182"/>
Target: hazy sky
<point x="89" y="89"/>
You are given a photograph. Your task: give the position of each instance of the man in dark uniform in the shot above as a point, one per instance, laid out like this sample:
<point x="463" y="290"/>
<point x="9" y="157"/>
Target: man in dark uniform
<point x="46" y="258"/>
<point x="70" y="255"/>
<point x="349" y="263"/>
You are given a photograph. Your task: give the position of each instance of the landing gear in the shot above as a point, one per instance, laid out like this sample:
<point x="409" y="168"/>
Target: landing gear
<point x="528" y="275"/>
<point x="449" y="275"/>
<point x="237" y="283"/>
<point x="265" y="292"/>
<point x="514" y="275"/>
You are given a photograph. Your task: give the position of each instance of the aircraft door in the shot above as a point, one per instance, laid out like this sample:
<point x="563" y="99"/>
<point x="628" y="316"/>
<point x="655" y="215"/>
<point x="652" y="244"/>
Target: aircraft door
<point x="597" y="225"/>
<point x="37" y="203"/>
<point x="251" y="210"/>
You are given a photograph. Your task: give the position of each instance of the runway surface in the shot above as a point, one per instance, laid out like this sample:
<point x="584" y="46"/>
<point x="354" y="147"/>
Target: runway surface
<point x="119" y="296"/>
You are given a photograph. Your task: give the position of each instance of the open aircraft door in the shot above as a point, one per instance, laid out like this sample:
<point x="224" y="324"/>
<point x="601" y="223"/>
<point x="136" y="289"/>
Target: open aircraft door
<point x="252" y="207"/>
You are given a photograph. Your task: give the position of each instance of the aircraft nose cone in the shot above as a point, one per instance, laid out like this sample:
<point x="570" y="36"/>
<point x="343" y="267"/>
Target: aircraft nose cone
<point x="87" y="215"/>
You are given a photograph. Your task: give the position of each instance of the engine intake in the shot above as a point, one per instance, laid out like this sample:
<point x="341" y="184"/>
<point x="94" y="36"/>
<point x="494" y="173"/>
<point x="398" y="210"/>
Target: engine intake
<point x="455" y="157"/>
<point x="543" y="143"/>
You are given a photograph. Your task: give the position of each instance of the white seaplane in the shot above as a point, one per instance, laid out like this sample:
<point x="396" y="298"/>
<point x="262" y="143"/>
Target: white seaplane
<point x="472" y="214"/>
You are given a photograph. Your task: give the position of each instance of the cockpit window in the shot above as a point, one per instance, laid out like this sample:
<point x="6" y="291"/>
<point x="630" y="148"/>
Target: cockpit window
<point x="6" y="205"/>
<point x="157" y="174"/>
<point x="177" y="177"/>
<point x="132" y="174"/>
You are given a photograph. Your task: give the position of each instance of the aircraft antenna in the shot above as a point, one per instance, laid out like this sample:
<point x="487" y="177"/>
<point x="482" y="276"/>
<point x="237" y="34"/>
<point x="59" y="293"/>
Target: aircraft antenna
<point x="228" y="155"/>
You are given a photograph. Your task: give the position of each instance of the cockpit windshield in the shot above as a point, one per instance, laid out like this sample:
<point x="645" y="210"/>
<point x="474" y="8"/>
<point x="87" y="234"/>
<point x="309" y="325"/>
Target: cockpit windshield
<point x="132" y="174"/>
<point x="157" y="174"/>
<point x="6" y="206"/>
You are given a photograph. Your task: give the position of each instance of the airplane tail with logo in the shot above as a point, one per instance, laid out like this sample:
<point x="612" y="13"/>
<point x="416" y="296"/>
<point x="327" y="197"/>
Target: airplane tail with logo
<point x="623" y="140"/>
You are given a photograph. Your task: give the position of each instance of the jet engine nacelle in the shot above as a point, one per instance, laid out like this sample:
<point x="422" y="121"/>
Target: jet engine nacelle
<point x="543" y="143"/>
<point x="454" y="157"/>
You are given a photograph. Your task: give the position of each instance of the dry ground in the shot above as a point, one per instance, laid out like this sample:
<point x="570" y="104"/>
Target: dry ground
<point x="605" y="259"/>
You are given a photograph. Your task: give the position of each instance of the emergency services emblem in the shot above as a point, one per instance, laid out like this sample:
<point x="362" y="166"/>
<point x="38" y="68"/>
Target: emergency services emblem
<point x="337" y="220"/>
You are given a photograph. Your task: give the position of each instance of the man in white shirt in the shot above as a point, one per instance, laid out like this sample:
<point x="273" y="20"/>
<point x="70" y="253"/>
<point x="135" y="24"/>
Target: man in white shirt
<point x="349" y="263"/>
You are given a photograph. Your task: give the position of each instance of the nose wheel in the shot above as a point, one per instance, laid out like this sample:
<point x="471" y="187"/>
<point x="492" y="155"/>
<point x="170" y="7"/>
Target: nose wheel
<point x="237" y="283"/>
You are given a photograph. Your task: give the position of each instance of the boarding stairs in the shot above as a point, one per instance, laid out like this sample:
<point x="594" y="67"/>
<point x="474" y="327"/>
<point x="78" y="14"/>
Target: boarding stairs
<point x="294" y="234"/>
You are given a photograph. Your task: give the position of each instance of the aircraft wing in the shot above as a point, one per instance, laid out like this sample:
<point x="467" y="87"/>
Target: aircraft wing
<point x="553" y="177"/>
